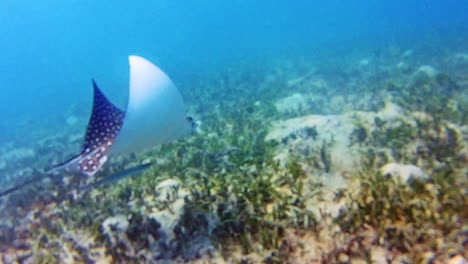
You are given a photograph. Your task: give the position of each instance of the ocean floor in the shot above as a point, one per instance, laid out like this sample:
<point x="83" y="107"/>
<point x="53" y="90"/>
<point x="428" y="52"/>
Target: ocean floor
<point x="296" y="161"/>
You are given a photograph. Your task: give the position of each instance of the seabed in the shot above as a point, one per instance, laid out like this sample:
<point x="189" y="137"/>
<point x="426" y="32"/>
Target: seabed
<point x="364" y="160"/>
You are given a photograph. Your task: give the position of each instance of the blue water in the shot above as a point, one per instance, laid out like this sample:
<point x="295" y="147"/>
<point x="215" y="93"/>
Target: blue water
<point x="51" y="49"/>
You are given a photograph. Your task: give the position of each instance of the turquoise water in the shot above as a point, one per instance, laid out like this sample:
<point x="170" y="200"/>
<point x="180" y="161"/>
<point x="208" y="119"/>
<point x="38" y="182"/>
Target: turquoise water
<point x="243" y="68"/>
<point x="52" y="49"/>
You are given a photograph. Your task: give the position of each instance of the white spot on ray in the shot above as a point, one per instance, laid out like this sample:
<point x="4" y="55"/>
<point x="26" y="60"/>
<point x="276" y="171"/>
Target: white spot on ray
<point x="102" y="160"/>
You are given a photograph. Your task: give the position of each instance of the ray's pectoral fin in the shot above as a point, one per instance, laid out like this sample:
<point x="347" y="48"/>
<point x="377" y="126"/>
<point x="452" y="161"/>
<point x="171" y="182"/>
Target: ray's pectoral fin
<point x="103" y="128"/>
<point x="155" y="115"/>
<point x="79" y="162"/>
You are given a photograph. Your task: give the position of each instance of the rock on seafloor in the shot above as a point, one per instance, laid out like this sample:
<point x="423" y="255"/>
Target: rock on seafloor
<point x="333" y="147"/>
<point x="457" y="259"/>
<point x="157" y="230"/>
<point x="292" y="103"/>
<point x="405" y="172"/>
<point x="429" y="70"/>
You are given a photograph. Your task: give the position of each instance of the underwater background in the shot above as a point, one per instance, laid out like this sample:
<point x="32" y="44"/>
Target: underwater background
<point x="330" y="132"/>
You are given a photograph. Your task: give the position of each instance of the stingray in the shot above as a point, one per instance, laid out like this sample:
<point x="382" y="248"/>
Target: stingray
<point x="155" y="115"/>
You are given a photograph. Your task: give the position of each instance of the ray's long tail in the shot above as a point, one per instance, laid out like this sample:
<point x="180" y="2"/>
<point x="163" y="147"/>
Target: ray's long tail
<point x="24" y="184"/>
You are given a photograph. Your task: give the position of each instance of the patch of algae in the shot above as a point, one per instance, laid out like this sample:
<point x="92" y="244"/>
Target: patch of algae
<point x="230" y="178"/>
<point x="252" y="209"/>
<point x="412" y="219"/>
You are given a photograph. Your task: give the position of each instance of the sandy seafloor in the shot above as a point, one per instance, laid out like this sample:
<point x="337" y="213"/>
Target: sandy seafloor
<point x="356" y="159"/>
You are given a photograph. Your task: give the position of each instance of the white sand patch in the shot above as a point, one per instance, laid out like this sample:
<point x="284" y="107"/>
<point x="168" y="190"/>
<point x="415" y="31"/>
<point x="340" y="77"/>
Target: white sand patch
<point x="390" y="112"/>
<point x="329" y="143"/>
<point x="427" y="69"/>
<point x="292" y="103"/>
<point x="118" y="223"/>
<point x="404" y="172"/>
<point x="334" y="130"/>
<point x="167" y="219"/>
<point x="457" y="259"/>
<point x="168" y="191"/>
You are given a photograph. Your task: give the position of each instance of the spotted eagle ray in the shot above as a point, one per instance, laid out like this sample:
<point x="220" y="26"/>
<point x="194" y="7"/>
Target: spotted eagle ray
<point x="103" y="127"/>
<point x="155" y="115"/>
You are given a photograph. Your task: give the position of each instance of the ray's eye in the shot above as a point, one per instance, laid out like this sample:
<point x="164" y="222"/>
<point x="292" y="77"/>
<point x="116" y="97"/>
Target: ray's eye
<point x="193" y="124"/>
